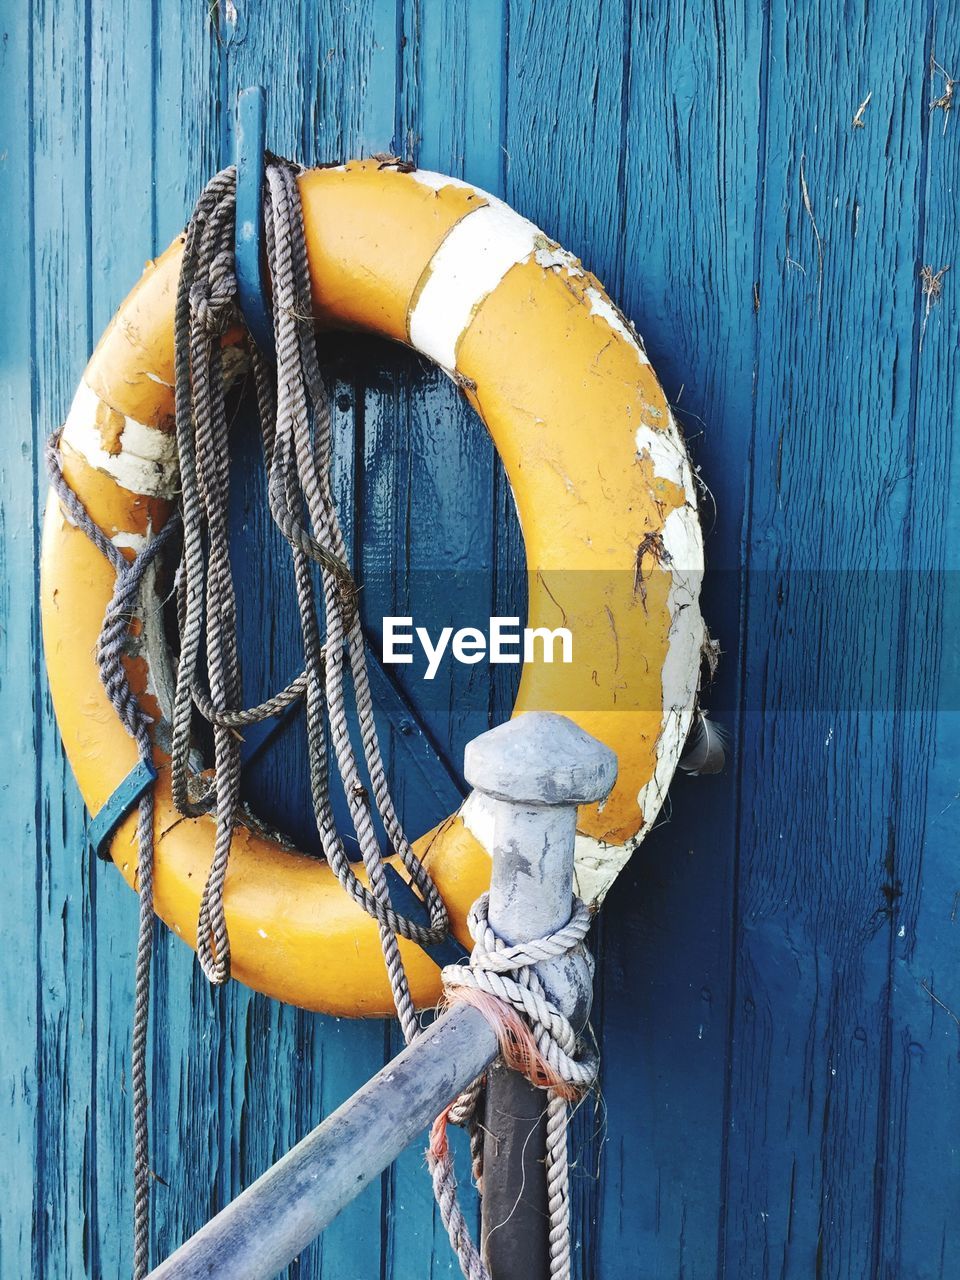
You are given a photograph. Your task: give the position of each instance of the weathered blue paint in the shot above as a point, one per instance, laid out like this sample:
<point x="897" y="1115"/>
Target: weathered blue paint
<point x="250" y="249"/>
<point x="777" y="999"/>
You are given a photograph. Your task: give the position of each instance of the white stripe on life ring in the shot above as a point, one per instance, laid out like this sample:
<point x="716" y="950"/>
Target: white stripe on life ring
<point x="146" y="463"/>
<point x="468" y="266"/>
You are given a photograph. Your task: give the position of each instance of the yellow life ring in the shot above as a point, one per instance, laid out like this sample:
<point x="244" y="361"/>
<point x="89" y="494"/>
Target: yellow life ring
<point x="606" y="502"/>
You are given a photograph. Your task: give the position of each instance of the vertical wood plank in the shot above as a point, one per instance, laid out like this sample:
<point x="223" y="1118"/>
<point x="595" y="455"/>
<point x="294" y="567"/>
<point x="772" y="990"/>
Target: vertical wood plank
<point x="192" y="1111"/>
<point x="563" y="147"/>
<point x="450" y="111"/>
<point x="921" y="1153"/>
<point x="119" y="195"/>
<point x="563" y="125"/>
<point x="689" y="180"/>
<point x="65" y="1168"/>
<point x="20" y="791"/>
<point x="454" y="103"/>
<point x="199" y="1034"/>
<point x="819" y="869"/>
<point x="330" y="74"/>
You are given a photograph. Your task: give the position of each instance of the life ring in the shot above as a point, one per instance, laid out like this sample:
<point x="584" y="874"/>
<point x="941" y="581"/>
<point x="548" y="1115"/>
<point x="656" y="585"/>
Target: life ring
<point x="602" y="484"/>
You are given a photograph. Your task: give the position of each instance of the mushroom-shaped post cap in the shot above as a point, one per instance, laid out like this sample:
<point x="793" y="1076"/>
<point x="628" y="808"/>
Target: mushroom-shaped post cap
<point x="540" y="758"/>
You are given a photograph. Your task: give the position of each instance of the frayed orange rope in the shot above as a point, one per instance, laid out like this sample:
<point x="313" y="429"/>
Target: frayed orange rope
<point x="517" y="1048"/>
<point x="438" y="1146"/>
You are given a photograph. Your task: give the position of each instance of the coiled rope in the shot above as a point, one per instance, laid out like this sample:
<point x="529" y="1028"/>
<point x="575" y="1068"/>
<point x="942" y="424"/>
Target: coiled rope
<point x="537" y="1039"/>
<point x="297" y="447"/>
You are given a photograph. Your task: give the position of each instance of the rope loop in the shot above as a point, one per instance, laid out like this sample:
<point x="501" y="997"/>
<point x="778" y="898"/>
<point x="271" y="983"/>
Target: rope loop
<point x="543" y="1045"/>
<point x="211" y="312"/>
<point x="537" y="1039"/>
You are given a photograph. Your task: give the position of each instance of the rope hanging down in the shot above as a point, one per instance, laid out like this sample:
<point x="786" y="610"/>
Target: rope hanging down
<point x="298" y="461"/>
<point x="110" y="650"/>
<point x="297" y="447"/>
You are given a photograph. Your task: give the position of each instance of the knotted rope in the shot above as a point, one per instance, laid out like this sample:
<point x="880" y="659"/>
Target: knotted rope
<point x="297" y="447"/>
<point x="537" y="1039"/>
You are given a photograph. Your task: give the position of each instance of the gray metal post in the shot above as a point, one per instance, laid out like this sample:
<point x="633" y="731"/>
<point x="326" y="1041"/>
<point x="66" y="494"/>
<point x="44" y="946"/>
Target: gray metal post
<point x="277" y="1216"/>
<point x="529" y="777"/>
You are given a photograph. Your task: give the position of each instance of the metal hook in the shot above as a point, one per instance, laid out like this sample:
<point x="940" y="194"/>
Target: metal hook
<point x="248" y="244"/>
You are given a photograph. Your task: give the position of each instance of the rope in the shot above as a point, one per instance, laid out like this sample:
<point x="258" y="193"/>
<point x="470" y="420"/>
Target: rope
<point x="297" y="448"/>
<point x="536" y="1039"/>
<point x="110" y="650"/>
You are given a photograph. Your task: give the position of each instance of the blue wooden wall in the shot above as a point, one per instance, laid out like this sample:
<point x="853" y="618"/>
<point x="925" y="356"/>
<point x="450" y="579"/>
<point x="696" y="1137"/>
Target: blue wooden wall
<point x="778" y="994"/>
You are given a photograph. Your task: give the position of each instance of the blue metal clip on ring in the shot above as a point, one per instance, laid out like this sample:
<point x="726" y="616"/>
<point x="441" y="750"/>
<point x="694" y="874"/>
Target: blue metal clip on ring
<point x="248" y="244"/>
<point x="127" y="794"/>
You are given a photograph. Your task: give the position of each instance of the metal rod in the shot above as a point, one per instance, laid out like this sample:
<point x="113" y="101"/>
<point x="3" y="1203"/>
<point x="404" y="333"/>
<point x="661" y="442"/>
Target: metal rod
<point x="267" y="1225"/>
<point x="249" y="235"/>
<point x="529" y="777"/>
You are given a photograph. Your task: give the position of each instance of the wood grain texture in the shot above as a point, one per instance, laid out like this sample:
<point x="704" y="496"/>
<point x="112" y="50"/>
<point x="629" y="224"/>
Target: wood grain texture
<point x="921" y="1235"/>
<point x="21" y="788"/>
<point x="777" y="999"/>
<point x="64" y="905"/>
<point x="830" y="509"/>
<point x="691" y="121"/>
